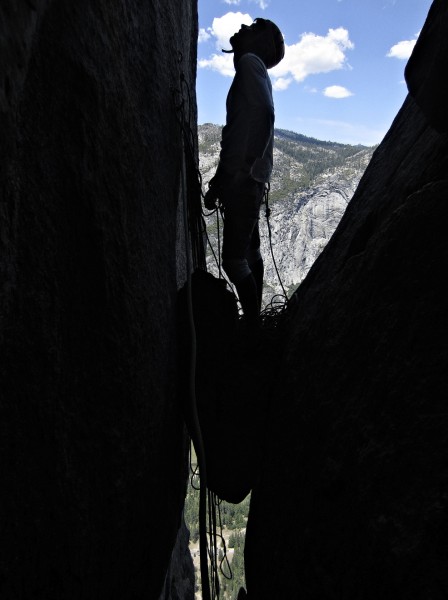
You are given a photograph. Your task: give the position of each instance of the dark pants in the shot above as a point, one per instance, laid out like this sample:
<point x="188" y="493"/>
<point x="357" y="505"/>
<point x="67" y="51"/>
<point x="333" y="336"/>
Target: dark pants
<point x="241" y="236"/>
<point x="241" y="258"/>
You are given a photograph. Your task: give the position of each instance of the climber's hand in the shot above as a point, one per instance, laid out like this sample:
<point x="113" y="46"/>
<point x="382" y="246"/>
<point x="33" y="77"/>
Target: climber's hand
<point x="210" y="199"/>
<point x="211" y="195"/>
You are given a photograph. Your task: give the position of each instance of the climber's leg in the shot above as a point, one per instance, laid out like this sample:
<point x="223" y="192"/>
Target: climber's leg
<point x="256" y="266"/>
<point x="237" y="235"/>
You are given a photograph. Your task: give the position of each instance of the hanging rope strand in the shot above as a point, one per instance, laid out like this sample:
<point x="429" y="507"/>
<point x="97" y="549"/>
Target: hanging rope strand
<point x="268" y="214"/>
<point x="195" y="228"/>
<point x="193" y="243"/>
<point x="197" y="433"/>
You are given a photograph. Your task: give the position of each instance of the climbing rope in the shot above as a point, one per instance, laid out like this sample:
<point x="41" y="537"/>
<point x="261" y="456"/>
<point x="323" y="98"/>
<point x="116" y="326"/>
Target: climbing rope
<point x="195" y="231"/>
<point x="268" y="214"/>
<point x="196" y="433"/>
<point x="278" y="302"/>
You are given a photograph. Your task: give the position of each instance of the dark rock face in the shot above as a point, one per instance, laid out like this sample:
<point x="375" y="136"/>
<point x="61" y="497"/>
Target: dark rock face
<point x="179" y="581"/>
<point x="353" y="497"/>
<point x="93" y="447"/>
<point x="429" y="59"/>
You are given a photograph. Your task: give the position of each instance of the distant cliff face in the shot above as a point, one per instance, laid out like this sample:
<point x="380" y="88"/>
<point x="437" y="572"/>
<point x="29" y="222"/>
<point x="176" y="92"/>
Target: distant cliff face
<point x="353" y="494"/>
<point x="92" y="445"/>
<point x="312" y="183"/>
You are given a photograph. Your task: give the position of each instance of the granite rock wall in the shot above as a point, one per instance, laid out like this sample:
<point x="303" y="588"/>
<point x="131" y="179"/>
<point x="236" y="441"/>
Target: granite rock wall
<point x="92" y="445"/>
<point x="352" y="500"/>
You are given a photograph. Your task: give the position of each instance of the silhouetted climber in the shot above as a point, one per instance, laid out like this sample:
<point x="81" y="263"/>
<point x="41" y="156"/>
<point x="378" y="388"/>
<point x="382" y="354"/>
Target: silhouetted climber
<point x="245" y="162"/>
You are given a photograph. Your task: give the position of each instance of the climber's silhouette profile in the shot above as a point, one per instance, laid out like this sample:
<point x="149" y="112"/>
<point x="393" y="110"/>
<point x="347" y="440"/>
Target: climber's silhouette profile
<point x="245" y="163"/>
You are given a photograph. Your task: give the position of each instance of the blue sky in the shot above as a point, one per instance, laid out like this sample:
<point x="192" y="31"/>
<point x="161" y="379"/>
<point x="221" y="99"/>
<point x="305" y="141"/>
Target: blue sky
<point x="342" y="78"/>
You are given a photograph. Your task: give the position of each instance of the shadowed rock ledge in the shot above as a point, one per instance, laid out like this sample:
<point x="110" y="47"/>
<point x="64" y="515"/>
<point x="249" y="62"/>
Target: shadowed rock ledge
<point x="352" y="501"/>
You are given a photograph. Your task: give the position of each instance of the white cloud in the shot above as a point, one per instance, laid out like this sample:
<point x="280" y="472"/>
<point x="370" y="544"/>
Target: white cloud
<point x="203" y="35"/>
<point x="263" y="4"/>
<point x="223" y="63"/>
<point x="402" y="50"/>
<point x="315" y="54"/>
<point x="311" y="55"/>
<point x="282" y="83"/>
<point x="232" y="1"/>
<point x="337" y="91"/>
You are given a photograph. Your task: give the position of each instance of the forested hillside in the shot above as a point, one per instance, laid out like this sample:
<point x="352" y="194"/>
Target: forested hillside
<point x="230" y="546"/>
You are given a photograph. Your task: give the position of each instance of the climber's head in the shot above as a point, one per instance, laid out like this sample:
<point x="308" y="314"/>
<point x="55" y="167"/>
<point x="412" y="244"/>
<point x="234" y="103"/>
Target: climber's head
<point x="262" y="38"/>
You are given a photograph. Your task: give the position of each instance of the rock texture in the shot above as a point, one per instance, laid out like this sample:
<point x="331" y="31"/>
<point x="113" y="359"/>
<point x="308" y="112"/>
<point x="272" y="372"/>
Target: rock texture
<point x="352" y="501"/>
<point x="92" y="446"/>
<point x="429" y="59"/>
<point x="301" y="227"/>
<point x="180" y="578"/>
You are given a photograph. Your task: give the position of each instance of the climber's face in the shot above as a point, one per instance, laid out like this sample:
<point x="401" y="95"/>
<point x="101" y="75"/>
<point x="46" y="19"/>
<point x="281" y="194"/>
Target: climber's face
<point x="248" y="36"/>
<point x="262" y="38"/>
